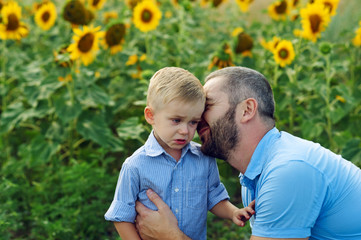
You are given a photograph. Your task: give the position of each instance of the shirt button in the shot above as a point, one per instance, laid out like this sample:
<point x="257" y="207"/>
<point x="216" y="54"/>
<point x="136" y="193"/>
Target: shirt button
<point x="176" y="210"/>
<point x="176" y="190"/>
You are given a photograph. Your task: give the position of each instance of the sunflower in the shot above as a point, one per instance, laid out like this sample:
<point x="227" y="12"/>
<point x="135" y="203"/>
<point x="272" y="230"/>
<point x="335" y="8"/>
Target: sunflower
<point x="61" y="57"/>
<point x="357" y="39"/>
<point x="86" y="44"/>
<point x="271" y="45"/>
<point x="222" y="58"/>
<point x="95" y="4"/>
<point x="146" y="16"/>
<point x="330" y="5"/>
<point x="11" y="27"/>
<point x="132" y="3"/>
<point x="284" y="53"/>
<point x="244" y="4"/>
<point x="114" y="37"/>
<point x="295" y="3"/>
<point x="279" y="10"/>
<point x="204" y="3"/>
<point x="108" y="16"/>
<point x="243" y="42"/>
<point x="315" y="19"/>
<point x="45" y="15"/>
<point x="76" y="13"/>
<point x="217" y="3"/>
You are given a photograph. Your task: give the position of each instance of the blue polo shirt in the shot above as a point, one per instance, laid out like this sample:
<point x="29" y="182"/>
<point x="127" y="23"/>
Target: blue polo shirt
<point x="302" y="190"/>
<point x="190" y="187"/>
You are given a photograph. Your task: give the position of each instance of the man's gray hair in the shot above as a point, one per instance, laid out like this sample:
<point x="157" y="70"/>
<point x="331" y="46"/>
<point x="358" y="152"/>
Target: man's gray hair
<point x="242" y="83"/>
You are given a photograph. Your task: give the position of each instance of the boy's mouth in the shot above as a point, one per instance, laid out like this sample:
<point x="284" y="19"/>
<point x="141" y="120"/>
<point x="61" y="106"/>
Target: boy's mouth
<point x="180" y="141"/>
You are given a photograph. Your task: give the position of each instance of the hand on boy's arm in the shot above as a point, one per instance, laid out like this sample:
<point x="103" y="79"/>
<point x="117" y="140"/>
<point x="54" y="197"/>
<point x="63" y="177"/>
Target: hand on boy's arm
<point x="161" y="224"/>
<point x="241" y="216"/>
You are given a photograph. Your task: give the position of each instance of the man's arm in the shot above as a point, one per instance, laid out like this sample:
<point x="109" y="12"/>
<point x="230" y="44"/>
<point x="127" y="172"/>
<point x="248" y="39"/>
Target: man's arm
<point x="161" y="224"/>
<point x="263" y="238"/>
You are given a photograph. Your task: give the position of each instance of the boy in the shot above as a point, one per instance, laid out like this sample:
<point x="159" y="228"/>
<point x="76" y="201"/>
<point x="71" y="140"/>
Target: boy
<point x="171" y="164"/>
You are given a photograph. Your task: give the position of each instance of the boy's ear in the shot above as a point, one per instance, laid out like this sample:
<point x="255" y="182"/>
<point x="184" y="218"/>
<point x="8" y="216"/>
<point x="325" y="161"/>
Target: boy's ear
<point x="149" y="115"/>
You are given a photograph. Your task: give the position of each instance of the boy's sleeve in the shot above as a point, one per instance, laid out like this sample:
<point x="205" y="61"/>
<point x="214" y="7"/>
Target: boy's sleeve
<point x="216" y="190"/>
<point x="122" y="208"/>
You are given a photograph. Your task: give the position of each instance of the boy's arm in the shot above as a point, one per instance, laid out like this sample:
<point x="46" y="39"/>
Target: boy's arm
<point x="126" y="230"/>
<point x="227" y="210"/>
<point x="224" y="209"/>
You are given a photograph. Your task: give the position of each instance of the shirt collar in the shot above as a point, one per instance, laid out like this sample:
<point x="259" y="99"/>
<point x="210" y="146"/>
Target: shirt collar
<point x="153" y="148"/>
<point x="260" y="154"/>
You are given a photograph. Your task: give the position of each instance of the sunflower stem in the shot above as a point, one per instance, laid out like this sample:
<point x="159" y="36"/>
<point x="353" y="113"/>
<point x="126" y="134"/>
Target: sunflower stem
<point x="70" y="86"/>
<point x="3" y="99"/>
<point x="328" y="103"/>
<point x="3" y="78"/>
<point x="275" y="77"/>
<point x="147" y="46"/>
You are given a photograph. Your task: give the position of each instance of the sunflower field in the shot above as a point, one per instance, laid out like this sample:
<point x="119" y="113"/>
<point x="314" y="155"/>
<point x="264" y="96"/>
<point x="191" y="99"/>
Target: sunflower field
<point x="73" y="79"/>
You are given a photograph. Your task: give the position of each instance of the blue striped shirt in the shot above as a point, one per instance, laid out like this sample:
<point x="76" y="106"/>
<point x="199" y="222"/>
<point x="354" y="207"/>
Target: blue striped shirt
<point x="190" y="187"/>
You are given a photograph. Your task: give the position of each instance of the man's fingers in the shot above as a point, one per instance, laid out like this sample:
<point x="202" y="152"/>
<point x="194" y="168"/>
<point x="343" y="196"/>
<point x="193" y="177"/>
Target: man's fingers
<point x="156" y="199"/>
<point x="140" y="208"/>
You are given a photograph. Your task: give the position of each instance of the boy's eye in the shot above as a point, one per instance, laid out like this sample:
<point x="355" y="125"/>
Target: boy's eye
<point x="194" y="122"/>
<point x="176" y="120"/>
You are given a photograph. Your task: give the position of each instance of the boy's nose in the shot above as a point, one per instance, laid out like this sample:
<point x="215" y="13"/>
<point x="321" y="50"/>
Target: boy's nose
<point x="183" y="129"/>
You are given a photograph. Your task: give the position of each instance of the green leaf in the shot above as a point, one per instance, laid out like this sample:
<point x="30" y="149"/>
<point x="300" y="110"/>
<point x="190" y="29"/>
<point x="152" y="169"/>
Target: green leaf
<point x="41" y="150"/>
<point x="11" y="117"/>
<point x="92" y="126"/>
<point x="130" y="129"/>
<point x="352" y="151"/>
<point x="93" y="96"/>
<point x="66" y="110"/>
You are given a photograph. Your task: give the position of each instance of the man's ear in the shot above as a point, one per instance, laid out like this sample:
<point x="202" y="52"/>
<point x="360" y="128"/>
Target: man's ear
<point x="149" y="115"/>
<point x="249" y="108"/>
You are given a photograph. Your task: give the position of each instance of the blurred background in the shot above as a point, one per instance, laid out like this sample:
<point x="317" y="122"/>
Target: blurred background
<point x="74" y="76"/>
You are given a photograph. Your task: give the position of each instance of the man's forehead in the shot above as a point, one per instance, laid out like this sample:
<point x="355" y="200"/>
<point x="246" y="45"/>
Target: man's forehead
<point x="213" y="84"/>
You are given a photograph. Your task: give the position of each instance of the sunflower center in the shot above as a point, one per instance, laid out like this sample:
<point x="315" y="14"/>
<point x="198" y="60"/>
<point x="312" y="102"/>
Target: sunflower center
<point x="283" y="53"/>
<point x="13" y="22"/>
<point x="95" y="2"/>
<point x="315" y="21"/>
<point x="245" y="43"/>
<point x="146" y="15"/>
<point x="216" y="3"/>
<point x="281" y="8"/>
<point x="86" y="42"/>
<point x="115" y="34"/>
<point x="45" y="16"/>
<point x="295" y="3"/>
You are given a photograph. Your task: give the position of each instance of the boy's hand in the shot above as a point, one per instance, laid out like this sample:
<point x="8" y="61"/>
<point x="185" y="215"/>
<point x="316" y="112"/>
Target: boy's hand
<point x="241" y="216"/>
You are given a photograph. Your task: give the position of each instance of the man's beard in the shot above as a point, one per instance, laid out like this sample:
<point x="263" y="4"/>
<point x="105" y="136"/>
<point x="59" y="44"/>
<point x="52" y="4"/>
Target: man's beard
<point x="222" y="138"/>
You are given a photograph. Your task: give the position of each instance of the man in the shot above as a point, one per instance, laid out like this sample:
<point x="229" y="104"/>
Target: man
<point x="302" y="190"/>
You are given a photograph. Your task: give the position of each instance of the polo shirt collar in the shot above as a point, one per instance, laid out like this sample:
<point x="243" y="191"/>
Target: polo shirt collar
<point x="260" y="155"/>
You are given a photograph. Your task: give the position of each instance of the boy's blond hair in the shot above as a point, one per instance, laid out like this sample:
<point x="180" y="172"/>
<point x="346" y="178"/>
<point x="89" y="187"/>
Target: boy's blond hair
<point x="171" y="83"/>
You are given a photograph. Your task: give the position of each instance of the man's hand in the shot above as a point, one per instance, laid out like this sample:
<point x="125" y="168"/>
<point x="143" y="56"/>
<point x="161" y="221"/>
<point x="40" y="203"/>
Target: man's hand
<point x="161" y="224"/>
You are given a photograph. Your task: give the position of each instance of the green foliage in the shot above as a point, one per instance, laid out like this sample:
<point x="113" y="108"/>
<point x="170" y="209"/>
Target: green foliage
<point x="62" y="143"/>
